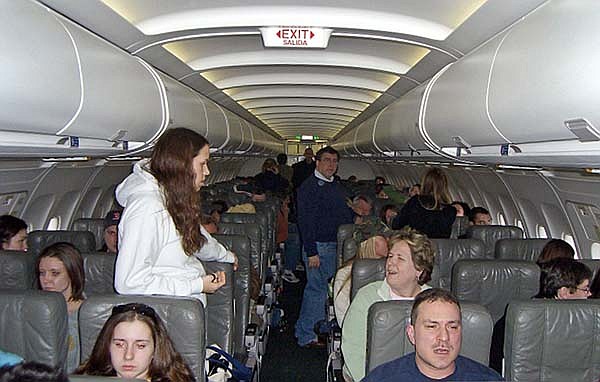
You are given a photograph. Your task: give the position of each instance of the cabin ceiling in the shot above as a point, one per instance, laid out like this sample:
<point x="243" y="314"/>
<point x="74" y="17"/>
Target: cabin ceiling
<point x="378" y="51"/>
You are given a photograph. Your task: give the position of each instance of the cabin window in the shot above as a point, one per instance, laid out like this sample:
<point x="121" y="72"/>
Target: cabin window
<point x="595" y="250"/>
<point x="53" y="223"/>
<point x="569" y="239"/>
<point x="541" y="232"/>
<point x="501" y="220"/>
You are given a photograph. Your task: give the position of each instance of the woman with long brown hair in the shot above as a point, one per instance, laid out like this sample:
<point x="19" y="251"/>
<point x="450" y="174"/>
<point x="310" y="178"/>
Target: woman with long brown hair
<point x="430" y="212"/>
<point x="161" y="238"/>
<point x="134" y="343"/>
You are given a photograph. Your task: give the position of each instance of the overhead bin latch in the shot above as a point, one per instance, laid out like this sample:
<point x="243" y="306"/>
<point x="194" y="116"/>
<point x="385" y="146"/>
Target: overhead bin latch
<point x="583" y="129"/>
<point x="461" y="144"/>
<point x="117" y="139"/>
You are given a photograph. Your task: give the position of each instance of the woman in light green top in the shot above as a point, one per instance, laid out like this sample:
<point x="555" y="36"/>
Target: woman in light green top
<point x="60" y="269"/>
<point x="407" y="270"/>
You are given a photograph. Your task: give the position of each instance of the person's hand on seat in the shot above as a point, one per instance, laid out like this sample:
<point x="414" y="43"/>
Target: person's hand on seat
<point x="212" y="282"/>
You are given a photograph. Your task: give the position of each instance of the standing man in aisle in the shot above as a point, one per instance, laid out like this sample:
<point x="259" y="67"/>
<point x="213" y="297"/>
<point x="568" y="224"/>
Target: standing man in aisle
<point x="321" y="210"/>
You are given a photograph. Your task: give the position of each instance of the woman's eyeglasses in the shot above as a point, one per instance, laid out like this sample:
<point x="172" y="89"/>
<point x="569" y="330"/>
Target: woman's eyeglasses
<point x="142" y="309"/>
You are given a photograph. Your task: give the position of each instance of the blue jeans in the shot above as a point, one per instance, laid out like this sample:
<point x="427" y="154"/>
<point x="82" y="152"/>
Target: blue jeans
<point x="292" y="248"/>
<point x="315" y="292"/>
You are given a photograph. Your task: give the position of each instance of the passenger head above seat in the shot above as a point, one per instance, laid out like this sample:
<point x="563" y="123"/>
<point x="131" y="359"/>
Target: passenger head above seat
<point x="32" y="372"/>
<point x="409" y="247"/>
<point x="134" y="343"/>
<point x="13" y="233"/>
<point x="564" y="279"/>
<point x="555" y="249"/>
<point x="111" y="233"/>
<point x="59" y="268"/>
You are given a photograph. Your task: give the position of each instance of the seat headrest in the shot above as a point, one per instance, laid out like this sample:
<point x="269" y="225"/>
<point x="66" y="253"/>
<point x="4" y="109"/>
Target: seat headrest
<point x="99" y="268"/>
<point x="552" y="340"/>
<point x="495" y="283"/>
<point x="17" y="270"/>
<point x="34" y="325"/>
<point x="84" y="241"/>
<point x="387" y="339"/>
<point x="490" y="234"/>
<point x="519" y="249"/>
<point x="365" y="271"/>
<point x="183" y="318"/>
<point x="448" y="252"/>
<point x="95" y="226"/>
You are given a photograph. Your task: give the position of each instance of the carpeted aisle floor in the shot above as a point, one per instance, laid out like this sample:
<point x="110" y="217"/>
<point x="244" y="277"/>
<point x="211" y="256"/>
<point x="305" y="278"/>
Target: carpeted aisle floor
<point x="284" y="359"/>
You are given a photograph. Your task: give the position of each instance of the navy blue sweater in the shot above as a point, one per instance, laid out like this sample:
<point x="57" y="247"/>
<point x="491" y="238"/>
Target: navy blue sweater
<point x="321" y="210"/>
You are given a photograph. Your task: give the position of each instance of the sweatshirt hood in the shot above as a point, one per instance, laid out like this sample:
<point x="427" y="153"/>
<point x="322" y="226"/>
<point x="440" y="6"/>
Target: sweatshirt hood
<point x="139" y="181"/>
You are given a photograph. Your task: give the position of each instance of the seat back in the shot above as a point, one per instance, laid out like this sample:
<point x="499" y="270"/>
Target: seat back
<point x="17" y="270"/>
<point x="495" y="283"/>
<point x="459" y="227"/>
<point x="261" y="221"/>
<point x="240" y="245"/>
<point x="33" y="324"/>
<point x="219" y="308"/>
<point x="183" y="318"/>
<point x="82" y="240"/>
<point x="490" y="234"/>
<point x="252" y="231"/>
<point x="519" y="249"/>
<point x="349" y="249"/>
<point x="593" y="264"/>
<point x="448" y="252"/>
<point x="93" y="225"/>
<point x="365" y="271"/>
<point x="344" y="232"/>
<point x="99" y="268"/>
<point x="552" y="340"/>
<point x="387" y="339"/>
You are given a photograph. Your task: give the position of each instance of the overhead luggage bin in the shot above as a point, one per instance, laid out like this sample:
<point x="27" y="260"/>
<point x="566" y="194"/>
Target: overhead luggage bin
<point x="66" y="92"/>
<point x="528" y="96"/>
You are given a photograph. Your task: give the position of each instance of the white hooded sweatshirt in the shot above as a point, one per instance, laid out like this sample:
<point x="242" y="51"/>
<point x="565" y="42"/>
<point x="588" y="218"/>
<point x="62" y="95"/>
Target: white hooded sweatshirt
<point x="151" y="259"/>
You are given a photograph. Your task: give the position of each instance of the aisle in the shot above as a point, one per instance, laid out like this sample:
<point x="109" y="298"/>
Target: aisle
<point x="284" y="359"/>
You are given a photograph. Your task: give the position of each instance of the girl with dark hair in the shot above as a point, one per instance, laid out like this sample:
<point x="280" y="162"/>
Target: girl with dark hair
<point x="430" y="212"/>
<point x="13" y="233"/>
<point x="161" y="238"/>
<point x="134" y="343"/>
<point x="59" y="269"/>
<point x="555" y="249"/>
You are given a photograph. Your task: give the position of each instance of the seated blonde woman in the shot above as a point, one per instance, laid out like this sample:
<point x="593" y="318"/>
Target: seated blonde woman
<point x="407" y="270"/>
<point x="373" y="248"/>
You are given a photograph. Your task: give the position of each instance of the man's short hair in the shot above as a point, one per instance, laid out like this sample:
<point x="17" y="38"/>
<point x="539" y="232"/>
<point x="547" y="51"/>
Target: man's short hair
<point x="477" y="210"/>
<point x="32" y="372"/>
<point x="327" y="150"/>
<point x="432" y="295"/>
<point x="562" y="272"/>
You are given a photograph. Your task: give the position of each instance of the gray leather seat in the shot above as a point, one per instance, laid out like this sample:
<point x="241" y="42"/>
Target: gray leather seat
<point x="95" y="226"/>
<point x="495" y="283"/>
<point x="594" y="265"/>
<point x="252" y="231"/>
<point x="552" y="341"/>
<point x="349" y="249"/>
<point x="448" y="252"/>
<point x="490" y="234"/>
<point x="261" y="221"/>
<point x="183" y="318"/>
<point x="387" y="339"/>
<point x="219" y="308"/>
<point x="17" y="270"/>
<point x="84" y="241"/>
<point x="99" y="270"/>
<point x="519" y="249"/>
<point x="34" y="325"/>
<point x="365" y="271"/>
<point x="240" y="245"/>
<point x="344" y="232"/>
<point x="459" y="227"/>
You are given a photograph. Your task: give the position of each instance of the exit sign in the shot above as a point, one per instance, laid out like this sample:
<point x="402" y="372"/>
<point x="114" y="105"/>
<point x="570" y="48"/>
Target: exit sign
<point x="295" y="37"/>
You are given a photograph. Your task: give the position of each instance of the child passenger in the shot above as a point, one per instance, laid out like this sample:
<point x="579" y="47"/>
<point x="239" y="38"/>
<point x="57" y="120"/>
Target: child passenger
<point x="134" y="343"/>
<point x="60" y="269"/>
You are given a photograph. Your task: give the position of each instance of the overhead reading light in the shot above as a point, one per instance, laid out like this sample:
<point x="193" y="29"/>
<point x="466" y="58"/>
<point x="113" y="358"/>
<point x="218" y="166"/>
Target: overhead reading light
<point x="592" y="170"/>
<point x="66" y="159"/>
<point x="116" y="159"/>
<point x="583" y="129"/>
<point x="513" y="167"/>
